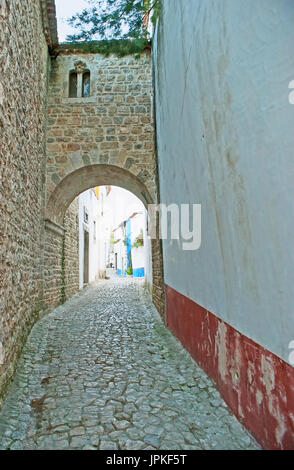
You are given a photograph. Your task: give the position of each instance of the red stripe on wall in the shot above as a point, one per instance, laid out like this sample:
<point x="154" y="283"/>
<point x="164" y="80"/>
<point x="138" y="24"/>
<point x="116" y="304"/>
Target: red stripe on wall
<point x="256" y="384"/>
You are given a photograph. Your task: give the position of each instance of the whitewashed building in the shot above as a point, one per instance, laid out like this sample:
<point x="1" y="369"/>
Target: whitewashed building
<point x="93" y="243"/>
<point x="127" y="251"/>
<point x="112" y="233"/>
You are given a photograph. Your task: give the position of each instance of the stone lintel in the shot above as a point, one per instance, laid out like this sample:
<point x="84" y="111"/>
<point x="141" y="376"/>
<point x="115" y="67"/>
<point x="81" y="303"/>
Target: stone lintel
<point x="49" y="22"/>
<point x="55" y="228"/>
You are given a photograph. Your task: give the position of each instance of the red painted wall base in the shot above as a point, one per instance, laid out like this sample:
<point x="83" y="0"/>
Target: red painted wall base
<point x="256" y="384"/>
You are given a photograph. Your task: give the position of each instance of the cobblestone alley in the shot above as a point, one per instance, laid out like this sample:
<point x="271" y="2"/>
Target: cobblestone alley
<point x="103" y="372"/>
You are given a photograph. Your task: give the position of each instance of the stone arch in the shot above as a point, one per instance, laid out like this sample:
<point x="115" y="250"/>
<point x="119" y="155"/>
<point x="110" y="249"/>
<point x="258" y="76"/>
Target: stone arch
<point x="84" y="178"/>
<point x="88" y="177"/>
<point x="105" y="138"/>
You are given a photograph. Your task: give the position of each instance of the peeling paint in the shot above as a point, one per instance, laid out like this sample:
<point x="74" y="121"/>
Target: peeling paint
<point x="256" y="384"/>
<point x="221" y="350"/>
<point x="250" y="372"/>
<point x="259" y="397"/>
<point x="268" y="376"/>
<point x="232" y="135"/>
<point x="231" y="302"/>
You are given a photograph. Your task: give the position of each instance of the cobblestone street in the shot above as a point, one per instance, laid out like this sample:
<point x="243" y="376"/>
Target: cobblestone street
<point x="103" y="372"/>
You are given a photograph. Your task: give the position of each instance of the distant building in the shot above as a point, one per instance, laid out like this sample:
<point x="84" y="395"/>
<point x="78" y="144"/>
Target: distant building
<point x="120" y="249"/>
<point x="127" y="253"/>
<point x="111" y="234"/>
<point x="93" y="236"/>
<point x="137" y="221"/>
<point x="88" y="237"/>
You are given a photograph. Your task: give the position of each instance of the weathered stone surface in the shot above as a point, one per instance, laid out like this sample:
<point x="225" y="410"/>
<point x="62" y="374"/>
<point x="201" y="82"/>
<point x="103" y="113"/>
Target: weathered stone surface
<point x="61" y="263"/>
<point x="71" y="251"/>
<point x="113" y="124"/>
<point x="23" y="77"/>
<point x="89" y="378"/>
<point x="41" y="145"/>
<point x="107" y="138"/>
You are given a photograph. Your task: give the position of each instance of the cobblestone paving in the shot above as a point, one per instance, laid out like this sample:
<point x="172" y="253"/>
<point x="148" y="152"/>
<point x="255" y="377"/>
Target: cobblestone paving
<point x="103" y="372"/>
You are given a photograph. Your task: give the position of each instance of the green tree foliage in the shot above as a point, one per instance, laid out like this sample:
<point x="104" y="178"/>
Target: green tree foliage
<point x="119" y="47"/>
<point x="114" y="19"/>
<point x="129" y="271"/>
<point x="139" y="240"/>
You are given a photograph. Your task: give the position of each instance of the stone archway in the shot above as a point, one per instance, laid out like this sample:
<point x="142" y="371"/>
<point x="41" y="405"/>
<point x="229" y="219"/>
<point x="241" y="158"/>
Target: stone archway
<point x="105" y="138"/>
<point x="87" y="177"/>
<point x="59" y="201"/>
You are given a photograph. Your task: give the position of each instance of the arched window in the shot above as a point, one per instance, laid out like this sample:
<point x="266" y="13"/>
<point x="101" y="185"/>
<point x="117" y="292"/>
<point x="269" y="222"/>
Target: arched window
<point x="79" y="81"/>
<point x="86" y="84"/>
<point x="73" y="84"/>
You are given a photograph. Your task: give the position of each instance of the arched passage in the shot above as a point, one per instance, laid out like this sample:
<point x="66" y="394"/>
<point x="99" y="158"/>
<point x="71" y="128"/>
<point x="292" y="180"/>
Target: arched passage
<point x="64" y="193"/>
<point x="87" y="177"/>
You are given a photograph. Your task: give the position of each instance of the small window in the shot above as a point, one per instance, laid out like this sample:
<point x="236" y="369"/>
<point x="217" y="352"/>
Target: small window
<point x="86" y="216"/>
<point x="101" y="205"/>
<point x="86" y="84"/>
<point x="94" y="230"/>
<point x="73" y="85"/>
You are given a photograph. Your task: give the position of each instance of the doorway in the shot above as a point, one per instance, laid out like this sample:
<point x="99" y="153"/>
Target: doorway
<point x="86" y="257"/>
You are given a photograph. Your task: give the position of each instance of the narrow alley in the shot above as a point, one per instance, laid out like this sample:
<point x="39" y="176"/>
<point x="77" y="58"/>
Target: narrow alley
<point x="103" y="372"/>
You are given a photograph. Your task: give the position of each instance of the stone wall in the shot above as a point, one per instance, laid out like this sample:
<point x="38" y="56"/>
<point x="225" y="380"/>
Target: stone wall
<point x="113" y="126"/>
<point x="53" y="272"/>
<point x="61" y="260"/>
<point x="158" y="295"/>
<point x="71" y="250"/>
<point x="23" y="84"/>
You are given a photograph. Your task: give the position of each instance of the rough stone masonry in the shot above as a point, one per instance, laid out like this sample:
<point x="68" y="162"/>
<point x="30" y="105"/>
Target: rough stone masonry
<point x="114" y="125"/>
<point x="46" y="137"/>
<point x="23" y="95"/>
<point x="111" y="128"/>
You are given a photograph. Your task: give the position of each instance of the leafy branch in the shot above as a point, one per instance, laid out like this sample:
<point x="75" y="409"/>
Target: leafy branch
<point x="114" y="19"/>
<point x="139" y="241"/>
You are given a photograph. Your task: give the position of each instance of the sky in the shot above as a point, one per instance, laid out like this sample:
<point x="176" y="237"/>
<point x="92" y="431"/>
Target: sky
<point x="65" y="9"/>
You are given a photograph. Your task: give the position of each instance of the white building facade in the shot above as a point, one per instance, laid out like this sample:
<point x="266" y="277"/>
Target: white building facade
<point x="127" y="217"/>
<point x="92" y="240"/>
<point x="112" y="233"/>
